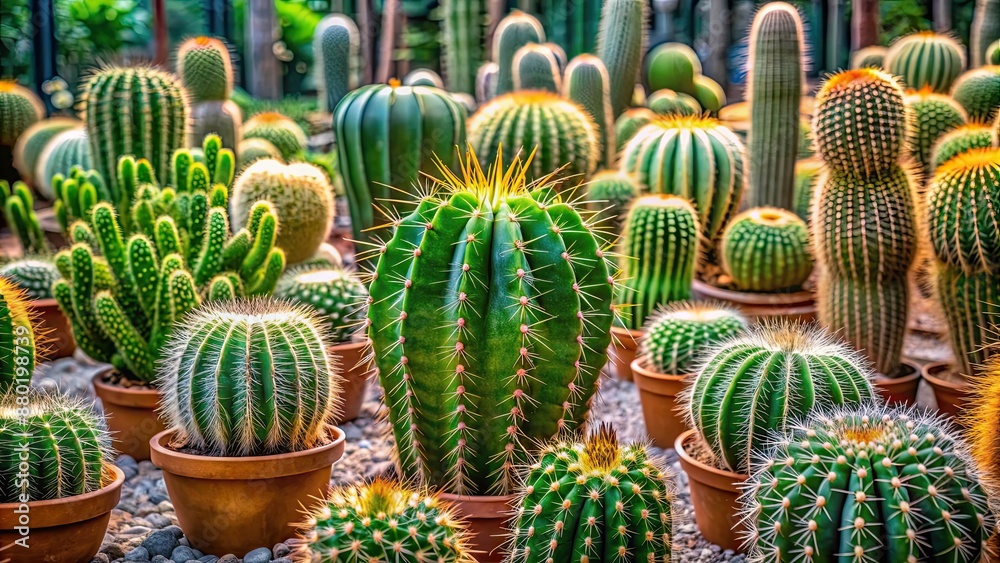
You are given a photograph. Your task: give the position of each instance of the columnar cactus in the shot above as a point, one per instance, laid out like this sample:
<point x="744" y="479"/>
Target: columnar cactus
<point x="609" y="195"/>
<point x="868" y="57"/>
<point x="416" y="126"/>
<point x="281" y="131"/>
<point x="335" y="294"/>
<point x="67" y="447"/>
<point x="926" y="58"/>
<point x="763" y="381"/>
<point x="337" y="53"/>
<point x="594" y="500"/>
<point x="766" y="249"/>
<point x="621" y="41"/>
<point x="676" y="335"/>
<point x="516" y="122"/>
<point x="482" y="263"/>
<point x="463" y="42"/>
<point x="33" y="275"/>
<point x="666" y="102"/>
<point x="66" y="150"/>
<point x="959" y="140"/>
<point x="706" y="166"/>
<point x="17" y="338"/>
<point x="362" y="522"/>
<point x="587" y="83"/>
<point x="536" y="68"/>
<point x="673" y="66"/>
<point x="807" y="173"/>
<point x="245" y="347"/>
<point x="658" y="255"/>
<point x="869" y="483"/>
<point x="570" y="24"/>
<point x="978" y="91"/>
<point x="19" y="109"/>
<point x="629" y="123"/>
<point x="985" y="31"/>
<point x="19" y="210"/>
<point x="516" y="30"/>
<point x="206" y="71"/>
<point x="775" y="82"/>
<point x="933" y="116"/>
<point x="31" y="144"/>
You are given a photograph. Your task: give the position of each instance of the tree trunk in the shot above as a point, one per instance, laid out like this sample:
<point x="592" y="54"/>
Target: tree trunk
<point x="864" y="24"/>
<point x="263" y="68"/>
<point x="160" y="37"/>
<point x="367" y="40"/>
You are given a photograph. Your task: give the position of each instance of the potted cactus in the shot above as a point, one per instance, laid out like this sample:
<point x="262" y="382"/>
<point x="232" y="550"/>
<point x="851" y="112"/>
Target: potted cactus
<point x="674" y="339"/>
<point x="249" y="393"/>
<point x="749" y="388"/>
<point x="514" y="284"/>
<point x="36" y="276"/>
<point x="339" y="298"/>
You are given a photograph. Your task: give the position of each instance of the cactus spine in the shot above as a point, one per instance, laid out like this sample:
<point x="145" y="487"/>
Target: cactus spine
<point x="513" y="32"/>
<point x="572" y="25"/>
<point x="926" y="59"/>
<point x="335" y="294"/>
<point x="337" y="49"/>
<point x="960" y="140"/>
<point x="983" y="430"/>
<point x="766" y="249"/>
<point x="933" y="116"/>
<point x="464" y="40"/>
<point x="587" y="83"/>
<point x="985" y="31"/>
<point x="536" y="68"/>
<point x="609" y="195"/>
<point x="31" y="144"/>
<point x="621" y="41"/>
<point x="978" y="91"/>
<point x="32" y="275"/>
<point x="676" y="335"/>
<point x="17" y="339"/>
<point x="19" y="210"/>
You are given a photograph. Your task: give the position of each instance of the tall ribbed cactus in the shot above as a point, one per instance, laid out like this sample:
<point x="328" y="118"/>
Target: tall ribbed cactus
<point x="676" y="335"/>
<point x="463" y="42"/>
<point x="587" y="83"/>
<point x="763" y="381"/>
<point x="594" y="500"/>
<point x="766" y="249"/>
<point x="571" y="24"/>
<point x="658" y="254"/>
<point x="985" y="31"/>
<point x="206" y="71"/>
<point x="65" y="150"/>
<point x="337" y="50"/>
<point x="775" y="82"/>
<point x="959" y="140"/>
<point x="66" y="448"/>
<point x="978" y="91"/>
<point x="869" y="483"/>
<point x="31" y="144"/>
<point x="335" y="294"/>
<point x="933" y="116"/>
<point x="513" y="32"/>
<point x="275" y="388"/>
<point x="17" y="338"/>
<point x="621" y="41"/>
<point x="512" y="285"/>
<point x="705" y="164"/>
<point x="135" y="111"/>
<point x="18" y="207"/>
<point x="536" y="68"/>
<point x="926" y="58"/>
<point x="609" y="195"/>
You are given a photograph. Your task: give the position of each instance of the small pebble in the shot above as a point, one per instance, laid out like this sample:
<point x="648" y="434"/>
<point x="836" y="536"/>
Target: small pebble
<point x="259" y="555"/>
<point x="182" y="554"/>
<point x="280" y="550"/>
<point x="160" y="542"/>
<point x="229" y="558"/>
<point x="137" y="554"/>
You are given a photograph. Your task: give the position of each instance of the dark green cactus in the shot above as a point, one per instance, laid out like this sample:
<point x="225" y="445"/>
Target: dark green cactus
<point x="19" y="109"/>
<point x="933" y="116"/>
<point x="517" y="285"/>
<point x="665" y="102"/>
<point x="678" y="334"/>
<point x="66" y="150"/>
<point x="868" y="57"/>
<point x="672" y="66"/>
<point x="19" y="210"/>
<point x="985" y="31"/>
<point x="926" y="58"/>
<point x="570" y="24"/>
<point x="536" y="68"/>
<point x="17" y="339"/>
<point x="337" y="49"/>
<point x="960" y="140"/>
<point x="807" y="173"/>
<point x="587" y="83"/>
<point x="33" y="275"/>
<point x="595" y="501"/>
<point x="868" y="483"/>
<point x="282" y="132"/>
<point x="621" y="41"/>
<point x="31" y="145"/>
<point x="337" y="296"/>
<point x="629" y="123"/>
<point x="276" y="390"/>
<point x="516" y="30"/>
<point x="765" y="380"/>
<point x="463" y="44"/>
<point x="766" y="249"/>
<point x="205" y="69"/>
<point x="609" y="195"/>
<point x="978" y="91"/>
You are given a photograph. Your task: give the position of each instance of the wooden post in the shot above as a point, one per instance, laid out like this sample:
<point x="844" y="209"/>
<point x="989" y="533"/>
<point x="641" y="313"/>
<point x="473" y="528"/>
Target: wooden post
<point x="367" y="40"/>
<point x="44" y="45"/>
<point x="387" y="42"/>
<point x="262" y="67"/>
<point x="160" y="38"/>
<point x="864" y="24"/>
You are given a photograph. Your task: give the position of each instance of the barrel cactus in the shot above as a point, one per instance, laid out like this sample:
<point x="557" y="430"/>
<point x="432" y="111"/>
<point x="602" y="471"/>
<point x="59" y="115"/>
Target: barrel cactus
<point x="34" y="276"/>
<point x="868" y="57"/>
<point x="658" y="254"/>
<point x="31" y="144"/>
<point x="18" y="207"/>
<point x="933" y="116"/>
<point x="978" y="91"/>
<point x="481" y="263"/>
<point x="621" y="41"/>
<point x="66" y="150"/>
<point x="283" y="132"/>
<point x="959" y="140"/>
<point x="335" y="294"/>
<point x="629" y="123"/>
<point x="609" y="195"/>
<point x="665" y="102"/>
<point x="19" y="109"/>
<point x="595" y="500"/>
<point x="677" y="334"/>
<point x="766" y="249"/>
<point x="17" y="338"/>
<point x="586" y="82"/>
<point x="536" y="68"/>
<point x="926" y="58"/>
<point x="337" y="50"/>
<point x="672" y="66"/>
<point x="868" y="483"/>
<point x="762" y="381"/>
<point x="514" y="31"/>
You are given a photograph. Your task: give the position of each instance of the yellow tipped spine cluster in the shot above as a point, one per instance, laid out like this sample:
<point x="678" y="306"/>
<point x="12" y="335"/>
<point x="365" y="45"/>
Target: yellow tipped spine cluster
<point x="17" y="339"/>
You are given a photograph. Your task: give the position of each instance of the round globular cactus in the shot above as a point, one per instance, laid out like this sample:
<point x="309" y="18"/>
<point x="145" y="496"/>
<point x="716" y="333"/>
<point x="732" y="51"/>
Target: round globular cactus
<point x="992" y="54"/>
<point x="868" y="57"/>
<point x="978" y="91"/>
<point x="665" y="102"/>
<point x="762" y="381"/>
<point x="766" y="249"/>
<point x="34" y="276"/>
<point x="204" y="67"/>
<point x="676" y="335"/>
<point x="609" y="194"/>
<point x="17" y="338"/>
<point x="959" y="140"/>
<point x="252" y="150"/>
<point x="283" y="132"/>
<point x="536" y="68"/>
<point x="337" y="49"/>
<point x="924" y="59"/>
<point x="31" y="144"/>
<point x="672" y="66"/>
<point x="19" y="109"/>
<point x="869" y="483"/>
<point x="933" y="116"/>
<point x="67" y="149"/>
<point x="710" y="95"/>
<point x="275" y="389"/>
<point x="595" y="500"/>
<point x="629" y="123"/>
<point x="302" y="198"/>
<point x="514" y="31"/>
<point x="335" y="294"/>
<point x="63" y="442"/>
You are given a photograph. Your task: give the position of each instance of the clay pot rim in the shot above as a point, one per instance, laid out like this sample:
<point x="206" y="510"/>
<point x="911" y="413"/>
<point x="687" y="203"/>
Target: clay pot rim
<point x="803" y="299"/>
<point x="140" y="396"/>
<point x="638" y="368"/>
<point x="935" y="381"/>
<point x="78" y="508"/>
<point x="909" y="378"/>
<point x="43" y="303"/>
<point x="716" y="474"/>
<point x="244" y="468"/>
<point x="351" y="346"/>
<point x="626" y="337"/>
<point x="483" y="506"/>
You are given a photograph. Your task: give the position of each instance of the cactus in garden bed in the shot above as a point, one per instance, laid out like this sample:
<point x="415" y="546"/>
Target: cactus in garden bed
<point x="245" y="347"/>
<point x="807" y="172"/>
<point x="587" y="83"/>
<point x="926" y="58"/>
<point x="336" y="47"/>
<point x="31" y="145"/>
<point x="764" y="380"/>
<point x="658" y="254"/>
<point x="67" y="448"/>
<point x="19" y="209"/>
<point x="621" y="41"/>
<point x="766" y="249"/>
<point x="978" y="91"/>
<point x="868" y="57"/>
<point x="985" y="31"/>
<point x="933" y="116"/>
<point x="676" y="335"/>
<point x="709" y="94"/>
<point x="665" y="102"/>
<point x="609" y="195"/>
<point x="285" y="134"/>
<point x="205" y="69"/>
<point x="18" y="347"/>
<point x="613" y="500"/>
<point x="877" y="483"/>
<point x="960" y="140"/>
<point x="463" y="42"/>
<point x="514" y="31"/>
<point x="66" y="150"/>
<point x="34" y="276"/>
<point x="517" y="284"/>
<point x="423" y="77"/>
<point x="672" y="66"/>
<point x="335" y="294"/>
<point x="629" y="123"/>
<point x="486" y="82"/>
<point x="536" y="68"/>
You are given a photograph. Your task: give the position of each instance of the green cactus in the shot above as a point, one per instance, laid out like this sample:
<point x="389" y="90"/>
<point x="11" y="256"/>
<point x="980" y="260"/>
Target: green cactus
<point x="423" y="77"/>
<point x="66" y="150"/>
<point x="19" y="109"/>
<point x="629" y="123"/>
<point x="807" y="174"/>
<point x="595" y="501"/>
<point x="19" y="210"/>
<point x="709" y="94"/>
<point x="456" y="275"/>
<point x="33" y="275"/>
<point x="486" y="82"/>
<point x="960" y="140"/>
<point x="464" y="35"/>
<point x="691" y="142"/>
<point x="868" y="57"/>
<point x="536" y="68"/>
<point x="985" y="31"/>
<point x="63" y="443"/>
<point x="658" y="255"/>
<point x="135" y="111"/>
<point x="337" y="50"/>
<point x="867" y="483"/>
<point x="926" y="58"/>
<point x="205" y="69"/>
<point x="559" y="132"/>
<point x="31" y="144"/>
<point x="992" y="54"/>
<point x="933" y="116"/>
<point x="609" y="195"/>
<point x="665" y="102"/>
<point x="763" y="381"/>
<point x="676" y="335"/>
<point x="672" y="66"/>
<point x="275" y="388"/>
<point x="766" y="249"/>
<point x="18" y="349"/>
<point x="621" y="41"/>
<point x="571" y="25"/>
<point x="335" y="294"/>
<point x="251" y="150"/>
<point x="587" y="83"/>
<point x="364" y="521"/>
<point x="978" y="91"/>
<point x="805" y="138"/>
<point x="514" y="31"/>
<point x="280" y="131"/>
<point x="775" y="81"/>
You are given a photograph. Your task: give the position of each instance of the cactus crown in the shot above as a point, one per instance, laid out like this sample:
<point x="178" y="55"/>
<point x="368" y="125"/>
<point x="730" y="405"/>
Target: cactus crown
<point x="334" y="293"/>
<point x="205" y="68"/>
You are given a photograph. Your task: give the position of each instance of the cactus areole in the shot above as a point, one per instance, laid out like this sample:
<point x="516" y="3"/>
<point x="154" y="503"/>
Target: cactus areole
<point x="490" y="311"/>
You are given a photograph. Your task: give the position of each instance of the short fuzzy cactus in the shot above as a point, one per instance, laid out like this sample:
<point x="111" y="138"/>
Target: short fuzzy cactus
<point x="283" y="132"/>
<point x="31" y="144"/>
<point x="672" y="66"/>
<point x="337" y="50"/>
<point x="67" y="149"/>
<point x="594" y="500"/>
<point x="18" y="206"/>
<point x="302" y="198"/>
<point x="868" y="483"/>
<point x="933" y="116"/>
<point x="63" y="442"/>
<point x="586" y="82"/>
<point x="275" y="389"/>
<point x="33" y="275"/>
<point x="337" y="296"/>
<point x="609" y="195"/>
<point x="514" y="31"/>
<point x="959" y="140"/>
<point x="629" y="123"/>
<point x="19" y="109"/>
<point x="536" y="68"/>
<point x="978" y="91"/>
<point x="666" y="102"/>
<point x="763" y="381"/>
<point x="927" y="59"/>
<point x="204" y="67"/>
<point x="621" y="42"/>
<point x="18" y="349"/>
<point x="766" y="249"/>
<point x="676" y="335"/>
<point x="868" y="57"/>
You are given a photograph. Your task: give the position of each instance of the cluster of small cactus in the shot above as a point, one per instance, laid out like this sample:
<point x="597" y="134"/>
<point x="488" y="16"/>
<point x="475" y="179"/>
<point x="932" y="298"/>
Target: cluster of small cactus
<point x="675" y="66"/>
<point x="978" y="91"/>
<point x="587" y="83"/>
<point x="933" y="116"/>
<point x="18" y="207"/>
<point x="30" y="145"/>
<point x="337" y="52"/>
<point x="766" y="249"/>
<point x="282" y="132"/>
<point x="926" y="59"/>
<point x="959" y="140"/>
<point x="67" y="149"/>
<point x="206" y="71"/>
<point x="337" y="296"/>
<point x="17" y="338"/>
<point x="35" y="276"/>
<point x="609" y="195"/>
<point x="678" y="334"/>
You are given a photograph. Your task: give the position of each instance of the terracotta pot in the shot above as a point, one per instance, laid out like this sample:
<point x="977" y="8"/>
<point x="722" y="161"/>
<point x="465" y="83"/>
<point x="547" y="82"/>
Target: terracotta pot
<point x="53" y="324"/>
<point x="715" y="495"/>
<point x="487" y="518"/>
<point x="658" y="395"/>
<point x="236" y="504"/>
<point x="356" y="365"/>
<point x="624" y="343"/>
<point x="799" y="306"/>
<point x="131" y="414"/>
<point x="952" y="396"/>
<point x="901" y="389"/>
<point x="66" y="530"/>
